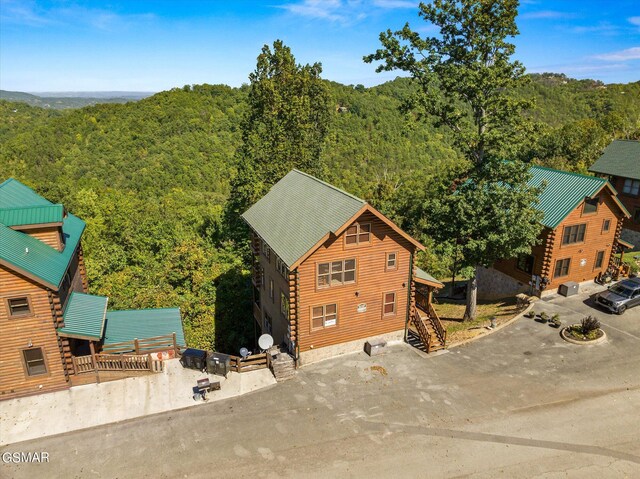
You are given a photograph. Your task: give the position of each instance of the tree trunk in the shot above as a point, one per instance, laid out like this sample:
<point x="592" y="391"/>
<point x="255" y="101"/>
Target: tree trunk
<point x="472" y="296"/>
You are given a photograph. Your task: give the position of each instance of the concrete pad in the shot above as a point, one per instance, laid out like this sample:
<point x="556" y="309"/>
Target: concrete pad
<point x="97" y="404"/>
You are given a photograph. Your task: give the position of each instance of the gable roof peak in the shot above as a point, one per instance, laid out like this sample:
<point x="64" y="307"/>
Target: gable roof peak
<point x="329" y="185"/>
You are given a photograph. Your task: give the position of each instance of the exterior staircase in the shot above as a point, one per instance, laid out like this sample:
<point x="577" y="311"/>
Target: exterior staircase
<point x="426" y="328"/>
<point x="282" y="364"/>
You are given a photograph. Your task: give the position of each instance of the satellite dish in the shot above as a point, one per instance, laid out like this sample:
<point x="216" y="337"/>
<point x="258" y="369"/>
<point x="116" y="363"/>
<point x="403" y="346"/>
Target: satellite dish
<point x="244" y="352"/>
<point x="265" y="341"/>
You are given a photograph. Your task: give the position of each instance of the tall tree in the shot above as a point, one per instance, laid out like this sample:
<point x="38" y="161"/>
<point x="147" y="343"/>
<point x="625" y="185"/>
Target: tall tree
<point x="285" y="127"/>
<point x="466" y="81"/>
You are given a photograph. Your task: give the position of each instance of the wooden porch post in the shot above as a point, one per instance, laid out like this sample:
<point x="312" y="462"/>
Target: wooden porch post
<point x="94" y="361"/>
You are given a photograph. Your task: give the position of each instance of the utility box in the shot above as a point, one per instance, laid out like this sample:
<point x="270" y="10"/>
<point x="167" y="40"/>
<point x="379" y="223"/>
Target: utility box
<point x="570" y="288"/>
<point x="218" y="364"/>
<point x="374" y="347"/>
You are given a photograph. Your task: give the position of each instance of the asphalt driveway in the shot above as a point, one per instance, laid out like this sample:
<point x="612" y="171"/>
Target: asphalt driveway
<point x="518" y="403"/>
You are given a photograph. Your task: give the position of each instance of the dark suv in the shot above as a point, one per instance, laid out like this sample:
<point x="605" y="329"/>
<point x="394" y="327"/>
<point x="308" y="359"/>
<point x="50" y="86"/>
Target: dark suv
<point x="621" y="296"/>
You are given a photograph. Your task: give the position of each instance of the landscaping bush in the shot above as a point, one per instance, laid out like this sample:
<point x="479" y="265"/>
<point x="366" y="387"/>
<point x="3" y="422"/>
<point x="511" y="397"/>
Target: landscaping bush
<point x="588" y="325"/>
<point x="530" y="314"/>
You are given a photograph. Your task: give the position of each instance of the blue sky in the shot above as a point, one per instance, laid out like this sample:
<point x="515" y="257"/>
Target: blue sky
<point x="143" y="45"/>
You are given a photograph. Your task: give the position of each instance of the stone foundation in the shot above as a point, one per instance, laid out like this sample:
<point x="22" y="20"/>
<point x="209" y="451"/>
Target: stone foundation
<point x="632" y="237"/>
<point x="319" y="354"/>
<point x="493" y="284"/>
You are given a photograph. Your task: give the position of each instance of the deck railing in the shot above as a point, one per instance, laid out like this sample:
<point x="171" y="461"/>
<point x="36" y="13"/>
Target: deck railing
<point x="144" y="346"/>
<point x="250" y="363"/>
<point x="116" y="362"/>
<point x="437" y="325"/>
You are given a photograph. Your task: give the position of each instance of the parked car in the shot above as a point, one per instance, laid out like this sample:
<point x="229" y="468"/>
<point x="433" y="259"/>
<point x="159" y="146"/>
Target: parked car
<point x="621" y="296"/>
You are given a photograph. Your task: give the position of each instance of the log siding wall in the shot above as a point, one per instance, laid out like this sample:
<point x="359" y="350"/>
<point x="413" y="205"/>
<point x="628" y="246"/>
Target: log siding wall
<point x="16" y="333"/>
<point x="551" y="249"/>
<point x="49" y="236"/>
<point x="372" y="281"/>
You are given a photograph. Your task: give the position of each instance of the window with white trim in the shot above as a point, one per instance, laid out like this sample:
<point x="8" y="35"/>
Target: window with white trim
<point x="392" y="261"/>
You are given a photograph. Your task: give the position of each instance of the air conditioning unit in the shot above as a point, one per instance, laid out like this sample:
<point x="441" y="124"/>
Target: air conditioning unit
<point x="570" y="288"/>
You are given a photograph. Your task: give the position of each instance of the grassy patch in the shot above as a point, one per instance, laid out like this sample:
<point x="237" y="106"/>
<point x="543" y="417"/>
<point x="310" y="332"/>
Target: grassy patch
<point x="452" y="312"/>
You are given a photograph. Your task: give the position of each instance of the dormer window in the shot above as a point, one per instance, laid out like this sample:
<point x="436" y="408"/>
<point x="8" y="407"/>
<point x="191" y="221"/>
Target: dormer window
<point x="590" y="206"/>
<point x="358" y="233"/>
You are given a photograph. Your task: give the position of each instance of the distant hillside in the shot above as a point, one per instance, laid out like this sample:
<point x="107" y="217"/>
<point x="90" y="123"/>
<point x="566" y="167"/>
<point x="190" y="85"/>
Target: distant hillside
<point x="66" y="100"/>
<point x="152" y="177"/>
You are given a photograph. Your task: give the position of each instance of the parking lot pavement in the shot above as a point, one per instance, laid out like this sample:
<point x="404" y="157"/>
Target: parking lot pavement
<point x="521" y="402"/>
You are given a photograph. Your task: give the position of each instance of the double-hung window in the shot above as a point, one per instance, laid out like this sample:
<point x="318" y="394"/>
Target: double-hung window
<point x="574" y="234"/>
<point x="389" y="304"/>
<point x="562" y="267"/>
<point x="324" y="316"/>
<point x="392" y="261"/>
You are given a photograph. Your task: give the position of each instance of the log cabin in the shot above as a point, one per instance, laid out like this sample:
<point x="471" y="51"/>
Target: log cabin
<point x="47" y="319"/>
<point x="620" y="164"/>
<point x="331" y="272"/>
<point x="580" y="236"/>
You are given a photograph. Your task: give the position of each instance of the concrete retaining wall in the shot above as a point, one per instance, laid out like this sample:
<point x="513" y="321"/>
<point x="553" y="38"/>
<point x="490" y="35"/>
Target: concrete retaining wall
<point x="493" y="284"/>
<point x="632" y="237"/>
<point x="320" y="354"/>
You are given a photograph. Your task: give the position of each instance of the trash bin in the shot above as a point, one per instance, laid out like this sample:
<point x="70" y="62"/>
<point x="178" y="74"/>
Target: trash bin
<point x="218" y="364"/>
<point x="194" y="359"/>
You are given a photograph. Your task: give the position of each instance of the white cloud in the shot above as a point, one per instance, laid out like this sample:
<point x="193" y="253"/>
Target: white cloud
<point x="325" y="9"/>
<point x="634" y="21"/>
<point x="343" y="11"/>
<point x="22" y="13"/>
<point x="31" y="14"/>
<point x="632" y="53"/>
<point x="546" y="14"/>
<point x="603" y="27"/>
<point x="395" y="4"/>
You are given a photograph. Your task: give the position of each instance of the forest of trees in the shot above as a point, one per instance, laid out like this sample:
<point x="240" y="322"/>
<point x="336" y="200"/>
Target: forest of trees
<point x="152" y="179"/>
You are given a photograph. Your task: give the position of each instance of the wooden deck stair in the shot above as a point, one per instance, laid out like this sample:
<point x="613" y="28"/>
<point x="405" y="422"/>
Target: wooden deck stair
<point x="428" y="329"/>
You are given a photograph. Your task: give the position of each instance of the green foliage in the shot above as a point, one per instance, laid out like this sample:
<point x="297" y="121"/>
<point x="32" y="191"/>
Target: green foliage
<point x="467" y="82"/>
<point x="589" y="324"/>
<point x="284" y="127"/>
<point x="152" y="179"/>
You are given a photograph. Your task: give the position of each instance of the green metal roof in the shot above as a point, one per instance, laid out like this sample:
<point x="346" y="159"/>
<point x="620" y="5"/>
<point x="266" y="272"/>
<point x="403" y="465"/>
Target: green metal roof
<point x="14" y="194"/>
<point x="621" y="158"/>
<point x="128" y="325"/>
<point x="31" y="215"/>
<point x="84" y="316"/>
<point x="423" y="275"/>
<point x="299" y="211"/>
<point x="27" y="254"/>
<point x="563" y="193"/>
